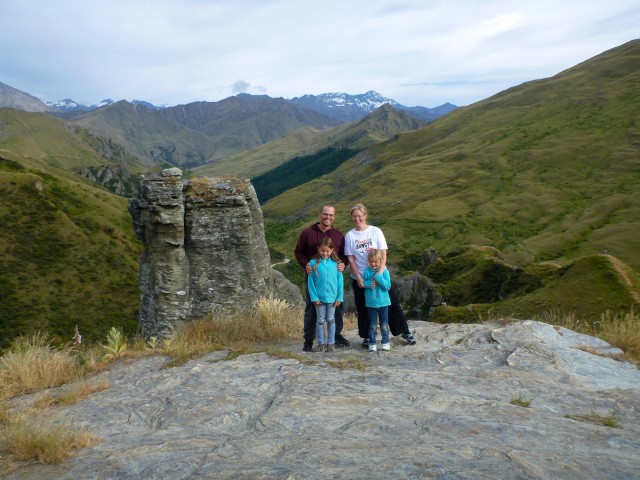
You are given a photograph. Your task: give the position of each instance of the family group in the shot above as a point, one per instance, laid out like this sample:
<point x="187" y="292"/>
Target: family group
<point x="324" y="252"/>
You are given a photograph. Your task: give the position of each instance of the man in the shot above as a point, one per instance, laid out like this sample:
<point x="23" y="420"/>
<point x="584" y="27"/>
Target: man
<point x="306" y="249"/>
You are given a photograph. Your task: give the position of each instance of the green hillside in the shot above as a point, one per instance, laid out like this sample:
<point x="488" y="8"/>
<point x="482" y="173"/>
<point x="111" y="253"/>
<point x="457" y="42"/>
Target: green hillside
<point x="199" y="132"/>
<point x="148" y="134"/>
<point x="69" y="255"/>
<point x="58" y="143"/>
<point x="548" y="170"/>
<point x="480" y="276"/>
<point x="380" y="125"/>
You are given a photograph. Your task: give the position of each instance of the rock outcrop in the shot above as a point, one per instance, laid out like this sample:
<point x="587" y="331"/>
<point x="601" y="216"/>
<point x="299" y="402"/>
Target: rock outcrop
<point x="518" y="401"/>
<point x="204" y="249"/>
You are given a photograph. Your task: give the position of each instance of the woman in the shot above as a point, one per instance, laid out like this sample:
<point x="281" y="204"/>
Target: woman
<point x="358" y="242"/>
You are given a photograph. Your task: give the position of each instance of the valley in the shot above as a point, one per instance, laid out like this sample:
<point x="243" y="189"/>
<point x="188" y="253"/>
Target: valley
<point x="533" y="189"/>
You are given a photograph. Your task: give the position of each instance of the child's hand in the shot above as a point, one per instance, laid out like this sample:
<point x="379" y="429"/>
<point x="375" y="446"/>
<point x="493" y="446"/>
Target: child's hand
<point x="337" y="304"/>
<point x="318" y="303"/>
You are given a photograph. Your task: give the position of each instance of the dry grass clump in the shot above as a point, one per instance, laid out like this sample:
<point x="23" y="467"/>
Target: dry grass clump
<point x="269" y="320"/>
<point x="593" y="417"/>
<point x="28" y="439"/>
<point x="32" y="363"/>
<point x="620" y="329"/>
<point x="350" y="321"/>
<point x="521" y="400"/>
<point x="623" y="331"/>
<point x="71" y="395"/>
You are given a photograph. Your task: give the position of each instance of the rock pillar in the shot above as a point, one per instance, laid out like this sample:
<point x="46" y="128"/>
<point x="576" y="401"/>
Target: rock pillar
<point x="204" y="248"/>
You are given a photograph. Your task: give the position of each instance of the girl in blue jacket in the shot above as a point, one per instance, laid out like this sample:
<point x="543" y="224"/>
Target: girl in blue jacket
<point x="377" y="300"/>
<point x="325" y="291"/>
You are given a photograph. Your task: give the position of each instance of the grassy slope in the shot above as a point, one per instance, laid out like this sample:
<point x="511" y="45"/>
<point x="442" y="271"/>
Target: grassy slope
<point x="546" y="170"/>
<point x="69" y="253"/>
<point x="376" y="127"/>
<point x="148" y="134"/>
<point x="585" y="288"/>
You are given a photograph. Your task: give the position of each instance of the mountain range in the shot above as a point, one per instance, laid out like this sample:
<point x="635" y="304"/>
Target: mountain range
<point x="201" y="133"/>
<point x="341" y="106"/>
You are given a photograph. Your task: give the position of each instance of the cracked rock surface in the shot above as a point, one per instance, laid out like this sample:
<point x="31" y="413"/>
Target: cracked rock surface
<point x="444" y="408"/>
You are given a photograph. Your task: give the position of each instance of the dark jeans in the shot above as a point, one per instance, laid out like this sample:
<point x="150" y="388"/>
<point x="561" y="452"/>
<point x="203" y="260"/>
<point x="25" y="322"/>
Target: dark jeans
<point x="310" y="317"/>
<point x="397" y="320"/>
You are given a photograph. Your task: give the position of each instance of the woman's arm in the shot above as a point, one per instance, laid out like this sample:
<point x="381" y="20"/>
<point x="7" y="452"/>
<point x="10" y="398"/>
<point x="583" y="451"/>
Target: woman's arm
<point x="383" y="263"/>
<point x="383" y="280"/>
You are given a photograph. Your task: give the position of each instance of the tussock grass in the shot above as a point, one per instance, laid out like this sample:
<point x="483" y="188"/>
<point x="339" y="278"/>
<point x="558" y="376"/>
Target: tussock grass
<point x="521" y="401"/>
<point x="270" y="319"/>
<point x="620" y="329"/>
<point x="593" y="417"/>
<point x="69" y="396"/>
<point x="32" y="363"/>
<point x="30" y="439"/>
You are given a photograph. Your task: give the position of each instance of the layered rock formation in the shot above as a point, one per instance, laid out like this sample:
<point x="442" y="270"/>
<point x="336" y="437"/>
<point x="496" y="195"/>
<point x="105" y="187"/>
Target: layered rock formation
<point x="204" y="249"/>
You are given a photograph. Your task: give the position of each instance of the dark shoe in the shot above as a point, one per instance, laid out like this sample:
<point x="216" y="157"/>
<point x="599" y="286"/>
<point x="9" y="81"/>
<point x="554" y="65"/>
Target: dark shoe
<point x="308" y="346"/>
<point x="340" y="340"/>
<point x="409" y="338"/>
<point x="365" y="343"/>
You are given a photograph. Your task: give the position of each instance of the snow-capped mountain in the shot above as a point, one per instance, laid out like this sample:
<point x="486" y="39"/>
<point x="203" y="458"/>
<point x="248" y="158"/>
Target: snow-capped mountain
<point x="342" y="105"/>
<point x="68" y="105"/>
<point x="347" y="107"/>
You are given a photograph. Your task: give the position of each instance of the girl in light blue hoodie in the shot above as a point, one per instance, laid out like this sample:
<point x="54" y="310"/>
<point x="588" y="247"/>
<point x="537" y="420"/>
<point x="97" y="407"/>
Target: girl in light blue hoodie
<point x="376" y="296"/>
<point x="325" y="291"/>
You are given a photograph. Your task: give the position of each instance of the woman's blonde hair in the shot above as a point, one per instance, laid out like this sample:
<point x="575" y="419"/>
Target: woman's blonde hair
<point x="359" y="206"/>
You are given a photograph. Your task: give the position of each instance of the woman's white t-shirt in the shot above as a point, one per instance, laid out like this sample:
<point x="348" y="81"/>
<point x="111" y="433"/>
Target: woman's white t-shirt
<point x="360" y="243"/>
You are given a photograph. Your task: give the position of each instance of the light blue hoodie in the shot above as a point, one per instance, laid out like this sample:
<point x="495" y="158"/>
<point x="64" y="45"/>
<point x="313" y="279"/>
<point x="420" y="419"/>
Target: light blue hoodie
<point x="379" y="296"/>
<point x="325" y="283"/>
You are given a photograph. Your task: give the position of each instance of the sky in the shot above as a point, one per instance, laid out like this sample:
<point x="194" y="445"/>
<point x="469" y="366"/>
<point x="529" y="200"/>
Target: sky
<point x="416" y="52"/>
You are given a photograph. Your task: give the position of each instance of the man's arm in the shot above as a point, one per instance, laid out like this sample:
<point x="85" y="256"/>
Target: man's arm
<point x="300" y="250"/>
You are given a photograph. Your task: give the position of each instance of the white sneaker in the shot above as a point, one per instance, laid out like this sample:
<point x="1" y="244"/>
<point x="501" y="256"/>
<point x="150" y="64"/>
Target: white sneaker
<point x="385" y="346"/>
<point x="372" y="347"/>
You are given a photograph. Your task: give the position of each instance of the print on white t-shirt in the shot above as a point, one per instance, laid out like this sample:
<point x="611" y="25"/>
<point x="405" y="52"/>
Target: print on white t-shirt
<point x="359" y="243"/>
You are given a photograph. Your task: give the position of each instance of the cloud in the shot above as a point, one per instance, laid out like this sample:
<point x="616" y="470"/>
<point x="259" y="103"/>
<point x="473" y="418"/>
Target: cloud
<point x="240" y="86"/>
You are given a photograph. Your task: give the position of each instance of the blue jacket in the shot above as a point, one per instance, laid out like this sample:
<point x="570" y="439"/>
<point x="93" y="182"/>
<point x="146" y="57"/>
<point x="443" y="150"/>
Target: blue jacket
<point x="325" y="283"/>
<point x="379" y="296"/>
